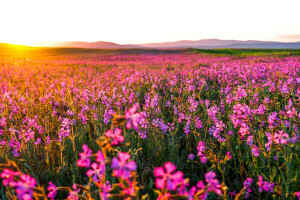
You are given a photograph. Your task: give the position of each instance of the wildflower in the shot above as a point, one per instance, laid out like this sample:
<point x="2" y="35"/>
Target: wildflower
<point x="96" y="172"/>
<point x="166" y="177"/>
<point x="84" y="160"/>
<point x="228" y="155"/>
<point x="280" y="137"/>
<point x="133" y="118"/>
<point x="213" y="184"/>
<point x="121" y="166"/>
<point x="52" y="190"/>
<point x="260" y="183"/>
<point x="255" y="151"/>
<point x="25" y="186"/>
<point x="8" y="177"/>
<point x="191" y="156"/>
<point x="268" y="187"/>
<point x="73" y="195"/>
<point x="105" y="188"/>
<point x="116" y="135"/>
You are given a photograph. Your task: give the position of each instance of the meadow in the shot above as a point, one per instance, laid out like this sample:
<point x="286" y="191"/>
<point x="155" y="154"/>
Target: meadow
<point x="180" y="124"/>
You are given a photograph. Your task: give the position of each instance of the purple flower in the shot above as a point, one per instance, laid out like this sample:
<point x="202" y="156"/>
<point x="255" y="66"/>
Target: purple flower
<point x="268" y="187"/>
<point x="25" y="186"/>
<point x="121" y="166"/>
<point x="97" y="172"/>
<point x="191" y="156"/>
<point x="52" y="190"/>
<point x="213" y="184"/>
<point x="255" y="151"/>
<point x="84" y="160"/>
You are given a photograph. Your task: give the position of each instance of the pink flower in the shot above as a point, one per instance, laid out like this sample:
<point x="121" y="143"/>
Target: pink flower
<point x="133" y="118"/>
<point x="260" y="183"/>
<point x="248" y="182"/>
<point x="74" y="194"/>
<point x="52" y="190"/>
<point x="116" y="135"/>
<point x="291" y="113"/>
<point x="105" y="188"/>
<point x="121" y="167"/>
<point x="268" y="187"/>
<point x="100" y="158"/>
<point x="213" y="184"/>
<point x="97" y="172"/>
<point x="84" y="160"/>
<point x="297" y="194"/>
<point x="255" y="151"/>
<point x="8" y="177"/>
<point x="25" y="186"/>
<point x="280" y="137"/>
<point x="201" y="146"/>
<point x="228" y="155"/>
<point x="166" y="177"/>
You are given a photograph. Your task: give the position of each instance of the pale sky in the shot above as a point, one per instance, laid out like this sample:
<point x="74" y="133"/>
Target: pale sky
<point x="138" y="21"/>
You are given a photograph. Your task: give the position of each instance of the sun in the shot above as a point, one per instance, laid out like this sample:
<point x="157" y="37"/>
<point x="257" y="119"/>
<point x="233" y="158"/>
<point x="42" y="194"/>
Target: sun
<point x="20" y="41"/>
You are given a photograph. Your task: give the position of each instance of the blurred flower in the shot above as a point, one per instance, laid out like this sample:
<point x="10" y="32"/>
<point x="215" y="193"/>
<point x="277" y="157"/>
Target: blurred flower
<point x="167" y="177"/>
<point x="121" y="166"/>
<point x="84" y="160"/>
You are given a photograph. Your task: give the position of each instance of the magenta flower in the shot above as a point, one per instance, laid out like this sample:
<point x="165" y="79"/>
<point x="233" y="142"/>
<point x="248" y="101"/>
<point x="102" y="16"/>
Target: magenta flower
<point x="84" y="160"/>
<point x="73" y="195"/>
<point x="280" y="137"/>
<point x="228" y="155"/>
<point x="97" y="172"/>
<point x="132" y="118"/>
<point x="100" y="158"/>
<point x="8" y="177"/>
<point x="116" y="135"/>
<point x="25" y="186"/>
<point x="123" y="168"/>
<point x="268" y="187"/>
<point x="166" y="177"/>
<point x="255" y="151"/>
<point x="291" y="113"/>
<point x="105" y="188"/>
<point x="52" y="190"/>
<point x="201" y="147"/>
<point x="213" y="184"/>
<point x="260" y="183"/>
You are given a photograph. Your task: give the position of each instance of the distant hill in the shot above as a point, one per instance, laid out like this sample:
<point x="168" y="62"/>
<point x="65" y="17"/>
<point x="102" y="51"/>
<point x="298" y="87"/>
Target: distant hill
<point x="199" y="44"/>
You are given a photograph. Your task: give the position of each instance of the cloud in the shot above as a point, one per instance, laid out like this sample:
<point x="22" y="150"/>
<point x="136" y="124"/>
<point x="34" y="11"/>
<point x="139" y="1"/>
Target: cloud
<point x="290" y="38"/>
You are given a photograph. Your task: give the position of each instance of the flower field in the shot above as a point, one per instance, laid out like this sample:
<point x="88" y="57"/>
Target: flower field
<point x="169" y="126"/>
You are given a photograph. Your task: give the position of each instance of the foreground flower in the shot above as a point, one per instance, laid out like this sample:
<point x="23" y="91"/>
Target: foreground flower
<point x="73" y="194"/>
<point x="25" y="186"/>
<point x="133" y="118"/>
<point x="84" y="160"/>
<point x="213" y="183"/>
<point x="8" y="177"/>
<point x="52" y="190"/>
<point x="96" y="172"/>
<point x="122" y="168"/>
<point x="166" y="178"/>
